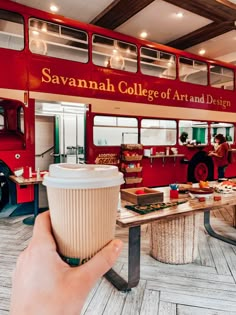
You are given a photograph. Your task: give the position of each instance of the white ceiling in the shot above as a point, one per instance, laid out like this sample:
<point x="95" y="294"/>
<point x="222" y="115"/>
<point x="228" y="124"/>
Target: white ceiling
<point x="158" y="19"/>
<point x="167" y="26"/>
<point x="222" y="47"/>
<point x="82" y="10"/>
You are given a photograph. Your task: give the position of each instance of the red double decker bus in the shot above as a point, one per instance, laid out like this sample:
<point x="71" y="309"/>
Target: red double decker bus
<point x="76" y="92"/>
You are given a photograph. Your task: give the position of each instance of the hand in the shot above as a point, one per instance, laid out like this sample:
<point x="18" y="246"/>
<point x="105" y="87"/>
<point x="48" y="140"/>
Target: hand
<point x="44" y="284"/>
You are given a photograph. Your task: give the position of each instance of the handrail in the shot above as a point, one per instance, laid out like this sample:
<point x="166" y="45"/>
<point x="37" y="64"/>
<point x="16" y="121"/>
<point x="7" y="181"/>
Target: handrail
<point x="42" y="154"/>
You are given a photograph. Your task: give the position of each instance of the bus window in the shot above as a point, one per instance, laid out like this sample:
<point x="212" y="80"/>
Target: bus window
<point x="20" y="120"/>
<point x="221" y="77"/>
<point x="226" y="129"/>
<point x="111" y="53"/>
<point x="192" y="71"/>
<point x="194" y="132"/>
<point x="2" y="125"/>
<point x="11" y="30"/>
<point x="158" y="132"/>
<point x="111" y="130"/>
<point x="57" y="41"/>
<point x="158" y="63"/>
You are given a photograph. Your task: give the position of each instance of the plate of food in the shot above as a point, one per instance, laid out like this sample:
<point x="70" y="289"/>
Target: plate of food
<point x="201" y="192"/>
<point x="225" y="187"/>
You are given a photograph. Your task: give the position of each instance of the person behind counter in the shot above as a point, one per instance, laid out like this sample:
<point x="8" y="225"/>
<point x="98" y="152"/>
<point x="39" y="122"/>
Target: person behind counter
<point x="220" y="154"/>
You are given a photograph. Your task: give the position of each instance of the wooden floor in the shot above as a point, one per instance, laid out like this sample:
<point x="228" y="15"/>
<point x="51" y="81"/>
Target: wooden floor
<point x="206" y="287"/>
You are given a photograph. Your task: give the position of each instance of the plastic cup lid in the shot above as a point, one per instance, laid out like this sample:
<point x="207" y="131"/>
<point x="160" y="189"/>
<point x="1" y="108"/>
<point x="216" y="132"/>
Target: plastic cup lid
<point x="66" y="175"/>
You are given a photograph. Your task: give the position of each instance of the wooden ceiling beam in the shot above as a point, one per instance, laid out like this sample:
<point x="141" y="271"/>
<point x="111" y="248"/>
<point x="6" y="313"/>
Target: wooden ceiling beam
<point x="228" y="4"/>
<point x="201" y="35"/>
<point x="223" y="17"/>
<point x="211" y="9"/>
<point x="119" y="12"/>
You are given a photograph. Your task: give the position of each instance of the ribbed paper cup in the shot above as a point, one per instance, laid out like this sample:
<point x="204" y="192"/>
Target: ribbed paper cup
<point x="83" y="203"/>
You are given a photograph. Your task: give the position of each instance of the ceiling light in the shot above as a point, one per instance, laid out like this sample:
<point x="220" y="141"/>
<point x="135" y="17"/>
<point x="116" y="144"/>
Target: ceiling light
<point x="143" y="34"/>
<point x="53" y="8"/>
<point x="179" y="14"/>
<point x="202" y="52"/>
<point x="44" y="28"/>
<point x="35" y="32"/>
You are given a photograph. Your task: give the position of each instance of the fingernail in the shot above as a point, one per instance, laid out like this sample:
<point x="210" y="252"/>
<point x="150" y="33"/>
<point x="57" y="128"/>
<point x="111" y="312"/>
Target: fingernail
<point x="117" y="245"/>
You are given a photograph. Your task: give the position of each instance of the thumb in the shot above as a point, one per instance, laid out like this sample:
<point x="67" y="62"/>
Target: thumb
<point x="96" y="267"/>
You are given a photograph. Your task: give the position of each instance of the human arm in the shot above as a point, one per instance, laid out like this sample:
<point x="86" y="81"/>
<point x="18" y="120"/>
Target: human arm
<point x="221" y="151"/>
<point x="44" y="284"/>
<point x="214" y="153"/>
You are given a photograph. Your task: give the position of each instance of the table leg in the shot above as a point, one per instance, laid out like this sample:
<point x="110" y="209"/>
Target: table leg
<point x="212" y="233"/>
<point x="30" y="220"/>
<point x="133" y="264"/>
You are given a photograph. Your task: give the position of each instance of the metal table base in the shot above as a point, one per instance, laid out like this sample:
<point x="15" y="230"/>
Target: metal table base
<point x="212" y="233"/>
<point x="133" y="264"/>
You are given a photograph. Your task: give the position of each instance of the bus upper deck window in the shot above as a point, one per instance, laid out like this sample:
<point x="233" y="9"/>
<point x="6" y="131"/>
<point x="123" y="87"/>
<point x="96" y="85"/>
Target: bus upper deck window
<point x="115" y="54"/>
<point x="158" y="63"/>
<point x="58" y="41"/>
<point x="11" y="30"/>
<point x="221" y="77"/>
<point x="192" y="71"/>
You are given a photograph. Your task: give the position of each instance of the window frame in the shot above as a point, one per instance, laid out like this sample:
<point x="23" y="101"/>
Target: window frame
<point x="114" y="126"/>
<point x="58" y="35"/>
<point x="13" y="34"/>
<point x="205" y="71"/>
<point x="158" y="128"/>
<point x="120" y="53"/>
<point x="158" y="52"/>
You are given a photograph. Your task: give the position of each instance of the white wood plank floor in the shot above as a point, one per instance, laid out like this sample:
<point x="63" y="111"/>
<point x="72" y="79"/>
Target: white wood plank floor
<point x="206" y="287"/>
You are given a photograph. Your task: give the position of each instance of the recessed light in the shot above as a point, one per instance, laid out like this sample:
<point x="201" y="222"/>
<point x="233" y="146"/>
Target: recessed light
<point x="202" y="51"/>
<point x="179" y="14"/>
<point x="35" y="32"/>
<point x="53" y="8"/>
<point x="44" y="28"/>
<point x="143" y="34"/>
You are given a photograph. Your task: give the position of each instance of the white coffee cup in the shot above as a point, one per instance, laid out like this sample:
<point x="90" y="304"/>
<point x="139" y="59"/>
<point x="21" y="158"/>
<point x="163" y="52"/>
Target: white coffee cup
<point x="83" y="201"/>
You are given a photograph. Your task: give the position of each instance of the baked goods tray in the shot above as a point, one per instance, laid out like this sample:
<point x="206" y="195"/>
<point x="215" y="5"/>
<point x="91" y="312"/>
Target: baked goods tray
<point x="151" y="207"/>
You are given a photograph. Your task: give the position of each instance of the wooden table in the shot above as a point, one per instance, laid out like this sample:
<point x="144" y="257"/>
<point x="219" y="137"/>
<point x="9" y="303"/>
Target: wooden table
<point x="31" y="181"/>
<point x="133" y="221"/>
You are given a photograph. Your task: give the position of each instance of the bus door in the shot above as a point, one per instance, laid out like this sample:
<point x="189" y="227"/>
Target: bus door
<point x="71" y="132"/>
<point x="60" y="133"/>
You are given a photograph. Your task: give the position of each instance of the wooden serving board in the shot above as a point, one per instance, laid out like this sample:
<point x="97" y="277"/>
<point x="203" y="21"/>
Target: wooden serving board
<point x="144" y="209"/>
